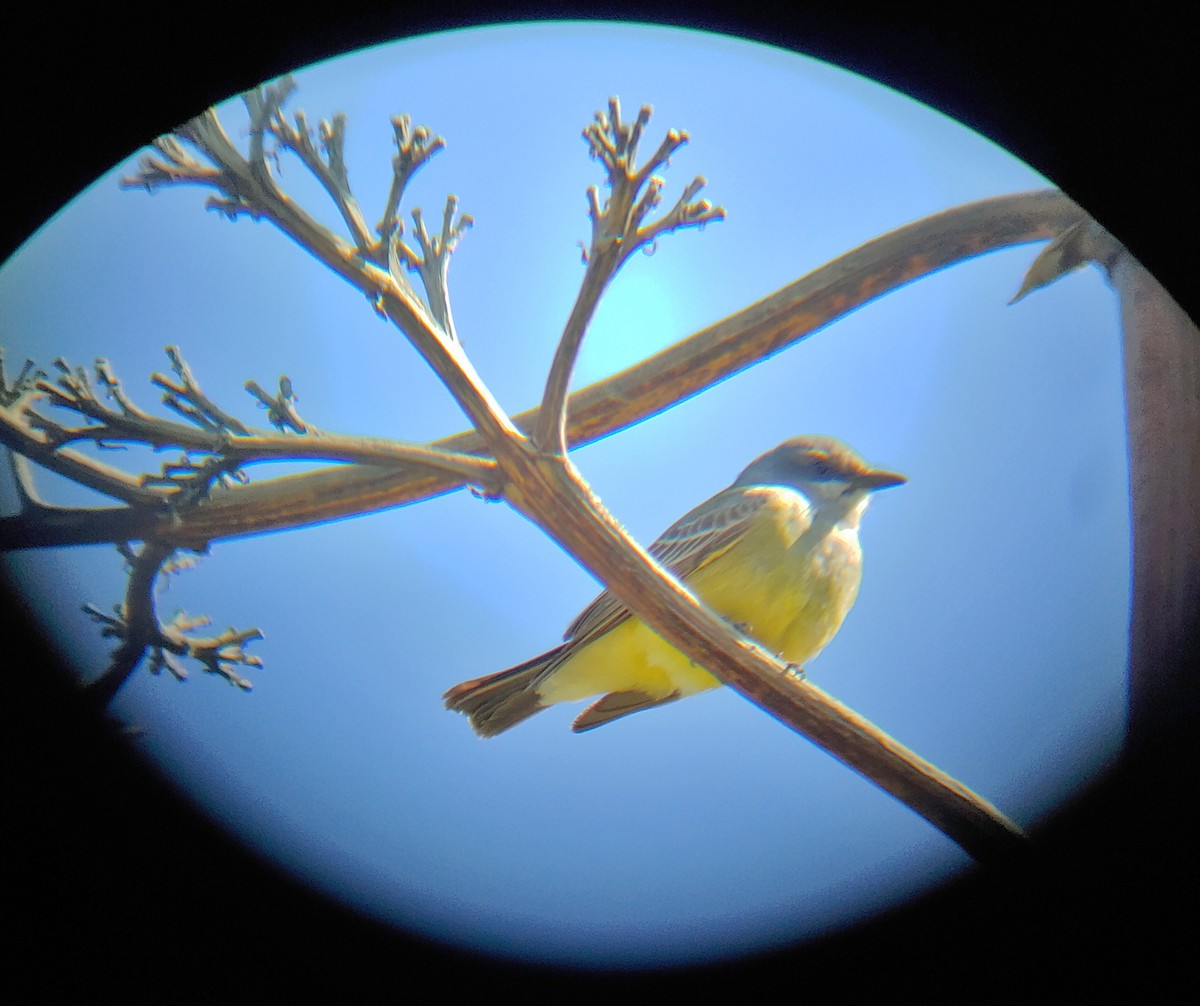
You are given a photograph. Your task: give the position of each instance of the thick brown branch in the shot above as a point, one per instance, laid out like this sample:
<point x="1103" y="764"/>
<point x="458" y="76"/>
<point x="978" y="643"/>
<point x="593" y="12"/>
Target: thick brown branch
<point x="1162" y="395"/>
<point x="477" y="471"/>
<point x="712" y="354"/>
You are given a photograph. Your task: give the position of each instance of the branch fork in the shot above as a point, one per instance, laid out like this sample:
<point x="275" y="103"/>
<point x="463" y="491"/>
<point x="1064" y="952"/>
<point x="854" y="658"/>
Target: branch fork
<point x="246" y="186"/>
<point x="617" y="225"/>
<point x="533" y="474"/>
<point x="432" y="261"/>
<point x="135" y="623"/>
<point x="618" y="230"/>
<point x="281" y="409"/>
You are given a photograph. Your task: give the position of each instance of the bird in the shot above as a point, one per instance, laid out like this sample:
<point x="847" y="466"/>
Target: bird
<point x="776" y="554"/>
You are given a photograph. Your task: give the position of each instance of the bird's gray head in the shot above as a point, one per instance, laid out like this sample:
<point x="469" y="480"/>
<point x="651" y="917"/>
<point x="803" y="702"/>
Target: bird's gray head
<point x="830" y="473"/>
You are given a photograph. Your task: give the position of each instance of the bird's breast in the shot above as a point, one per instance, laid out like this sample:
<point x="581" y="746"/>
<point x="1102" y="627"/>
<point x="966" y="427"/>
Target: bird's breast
<point x="788" y="588"/>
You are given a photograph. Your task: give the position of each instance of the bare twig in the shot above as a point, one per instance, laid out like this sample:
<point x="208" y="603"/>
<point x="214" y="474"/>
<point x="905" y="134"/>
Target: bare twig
<point x="414" y="148"/>
<point x="330" y="172"/>
<point x="136" y="625"/>
<point x="473" y="470"/>
<point x="40" y="440"/>
<point x="195" y="480"/>
<point x="617" y="232"/>
<point x="186" y="398"/>
<point x="245" y="188"/>
<point x="20" y="387"/>
<point x="265" y="105"/>
<point x="281" y="409"/>
<point x="432" y="262"/>
<point x="228" y="443"/>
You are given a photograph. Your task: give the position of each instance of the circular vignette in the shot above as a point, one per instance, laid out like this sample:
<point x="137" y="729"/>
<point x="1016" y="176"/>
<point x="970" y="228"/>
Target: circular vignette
<point x="1070" y="888"/>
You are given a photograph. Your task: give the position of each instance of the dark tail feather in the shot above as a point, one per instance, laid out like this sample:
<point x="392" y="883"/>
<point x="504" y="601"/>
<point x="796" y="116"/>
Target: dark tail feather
<point x="498" y="701"/>
<point x="614" y="705"/>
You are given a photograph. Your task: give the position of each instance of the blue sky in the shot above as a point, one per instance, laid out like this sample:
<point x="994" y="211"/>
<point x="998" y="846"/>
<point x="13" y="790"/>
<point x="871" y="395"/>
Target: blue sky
<point x="990" y="633"/>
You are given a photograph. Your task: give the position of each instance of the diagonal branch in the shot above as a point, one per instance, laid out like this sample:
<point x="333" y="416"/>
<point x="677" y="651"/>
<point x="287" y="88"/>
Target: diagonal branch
<point x="45" y="448"/>
<point x="552" y="493"/>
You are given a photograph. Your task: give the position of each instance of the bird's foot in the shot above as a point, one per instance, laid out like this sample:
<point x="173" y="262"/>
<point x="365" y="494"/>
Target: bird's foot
<point x="796" y="672"/>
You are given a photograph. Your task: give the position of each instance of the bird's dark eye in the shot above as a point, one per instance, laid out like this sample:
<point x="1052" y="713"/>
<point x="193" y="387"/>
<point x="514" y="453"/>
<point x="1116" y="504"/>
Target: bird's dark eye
<point x="821" y="468"/>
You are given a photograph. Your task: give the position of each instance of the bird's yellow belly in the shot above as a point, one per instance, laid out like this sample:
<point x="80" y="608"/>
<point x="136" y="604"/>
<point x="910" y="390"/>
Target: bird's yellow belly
<point x="792" y="601"/>
<point x="630" y="658"/>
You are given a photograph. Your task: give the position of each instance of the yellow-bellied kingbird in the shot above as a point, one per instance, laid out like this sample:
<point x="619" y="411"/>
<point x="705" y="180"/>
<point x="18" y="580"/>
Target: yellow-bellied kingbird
<point x="776" y="553"/>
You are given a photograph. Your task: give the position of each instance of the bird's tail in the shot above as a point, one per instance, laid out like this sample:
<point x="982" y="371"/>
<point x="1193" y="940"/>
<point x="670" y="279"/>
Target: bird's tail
<point x="498" y="701"/>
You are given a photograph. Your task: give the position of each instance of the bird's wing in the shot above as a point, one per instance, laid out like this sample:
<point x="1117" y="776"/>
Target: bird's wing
<point x="694" y="540"/>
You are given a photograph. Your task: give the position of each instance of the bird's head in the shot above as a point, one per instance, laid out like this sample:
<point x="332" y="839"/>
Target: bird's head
<point x="830" y="473"/>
